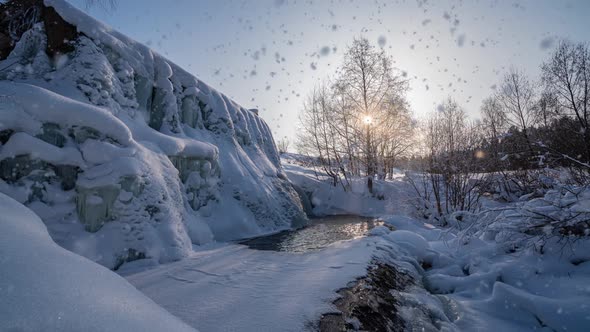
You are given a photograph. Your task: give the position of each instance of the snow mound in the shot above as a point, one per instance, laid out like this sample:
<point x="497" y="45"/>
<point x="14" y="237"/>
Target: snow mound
<point x="123" y="154"/>
<point x="485" y="283"/>
<point x="46" y="288"/>
<point x="415" y="244"/>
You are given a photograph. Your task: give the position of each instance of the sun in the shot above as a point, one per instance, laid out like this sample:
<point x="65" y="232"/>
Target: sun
<point x="367" y="119"/>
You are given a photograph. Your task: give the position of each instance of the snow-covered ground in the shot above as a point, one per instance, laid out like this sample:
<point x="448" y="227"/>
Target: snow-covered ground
<point x="44" y="287"/>
<point x="233" y="288"/>
<point x="491" y="288"/>
<point x="395" y="196"/>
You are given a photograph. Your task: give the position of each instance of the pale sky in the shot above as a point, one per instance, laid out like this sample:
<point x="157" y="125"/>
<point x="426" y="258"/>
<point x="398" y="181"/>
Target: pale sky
<point x="268" y="54"/>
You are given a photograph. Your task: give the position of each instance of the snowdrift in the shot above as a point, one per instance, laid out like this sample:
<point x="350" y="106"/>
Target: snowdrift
<point x="44" y="287"/>
<point x="123" y="154"/>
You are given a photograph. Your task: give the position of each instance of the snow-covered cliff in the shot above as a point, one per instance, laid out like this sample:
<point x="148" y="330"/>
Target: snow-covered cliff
<point x="123" y="154"/>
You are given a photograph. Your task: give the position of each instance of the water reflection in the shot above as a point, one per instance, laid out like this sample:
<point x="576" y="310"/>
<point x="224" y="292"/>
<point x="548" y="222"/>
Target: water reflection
<point x="319" y="234"/>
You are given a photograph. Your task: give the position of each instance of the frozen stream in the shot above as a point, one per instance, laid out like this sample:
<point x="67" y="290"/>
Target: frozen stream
<point x="264" y="283"/>
<point x="320" y="233"/>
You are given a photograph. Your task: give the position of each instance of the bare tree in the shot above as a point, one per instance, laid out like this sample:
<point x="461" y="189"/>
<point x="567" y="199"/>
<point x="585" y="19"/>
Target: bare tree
<point x="360" y="123"/>
<point x="283" y="145"/>
<point x="317" y="134"/>
<point x="493" y="125"/>
<point x="517" y="98"/>
<point x="367" y="80"/>
<point x="547" y="108"/>
<point x="394" y="136"/>
<point x="567" y="76"/>
<point x="346" y="119"/>
<point x="452" y="170"/>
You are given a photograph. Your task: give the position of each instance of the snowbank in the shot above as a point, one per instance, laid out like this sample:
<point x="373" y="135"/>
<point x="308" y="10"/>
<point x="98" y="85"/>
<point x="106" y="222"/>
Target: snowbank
<point x="486" y="284"/>
<point x="44" y="287"/>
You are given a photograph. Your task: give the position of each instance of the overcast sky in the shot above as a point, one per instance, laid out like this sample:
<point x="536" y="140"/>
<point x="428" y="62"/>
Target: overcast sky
<point x="268" y="54"/>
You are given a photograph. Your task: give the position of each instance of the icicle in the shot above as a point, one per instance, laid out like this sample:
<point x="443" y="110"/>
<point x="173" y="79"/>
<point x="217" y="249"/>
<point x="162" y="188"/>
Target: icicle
<point x="95" y="205"/>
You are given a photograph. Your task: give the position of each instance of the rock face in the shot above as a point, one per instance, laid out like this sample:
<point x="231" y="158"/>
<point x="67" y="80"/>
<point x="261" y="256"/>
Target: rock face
<point x="16" y="17"/>
<point x="120" y="151"/>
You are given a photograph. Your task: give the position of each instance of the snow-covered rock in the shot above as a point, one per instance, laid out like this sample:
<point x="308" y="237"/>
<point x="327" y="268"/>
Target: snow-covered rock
<point x="123" y="154"/>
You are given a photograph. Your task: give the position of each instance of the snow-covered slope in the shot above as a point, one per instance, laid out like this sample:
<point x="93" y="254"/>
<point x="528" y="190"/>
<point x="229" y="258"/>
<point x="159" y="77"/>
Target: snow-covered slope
<point x="46" y="288"/>
<point x="388" y="197"/>
<point x="123" y="154"/>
